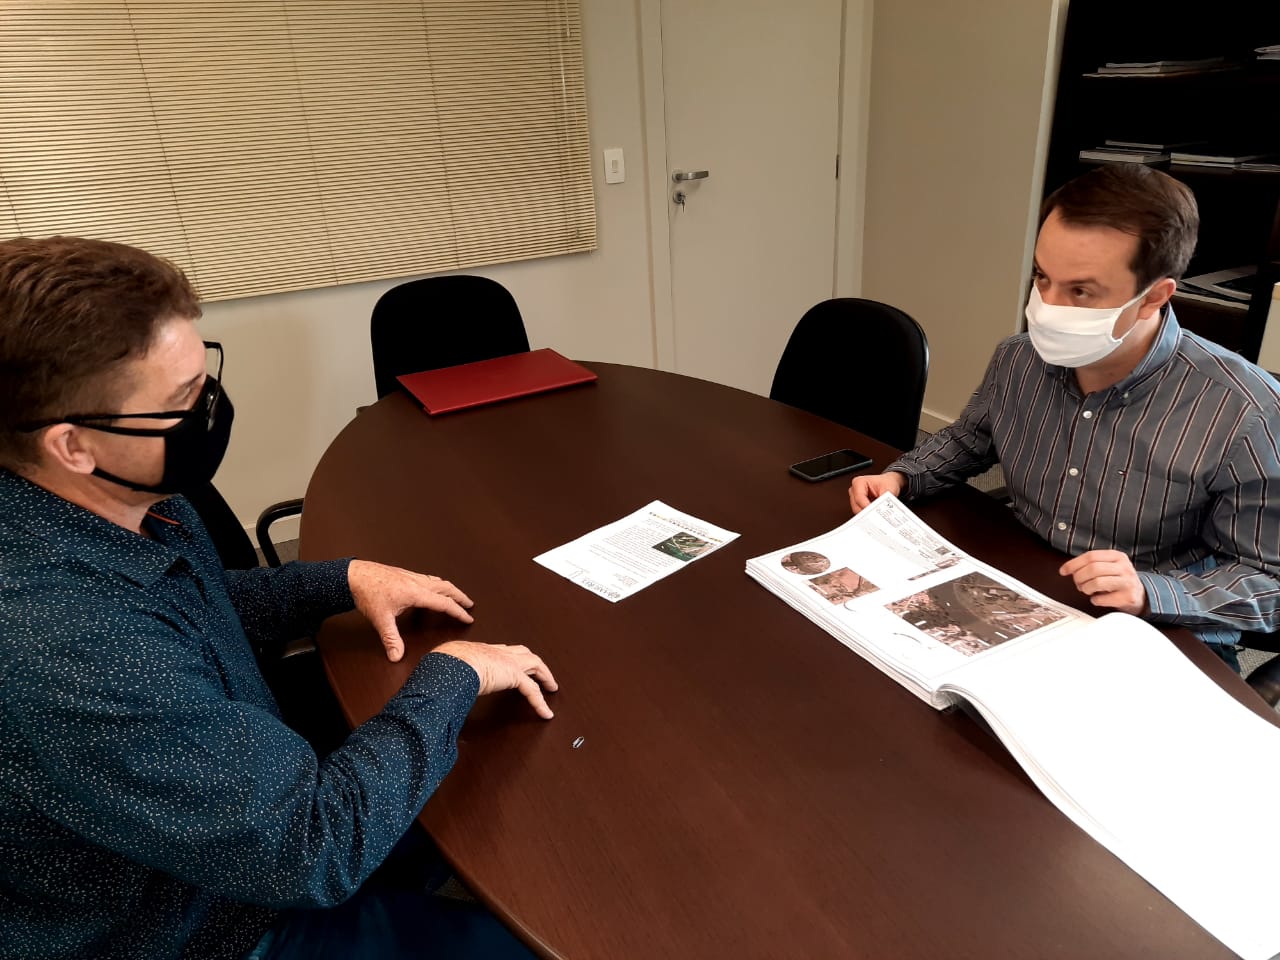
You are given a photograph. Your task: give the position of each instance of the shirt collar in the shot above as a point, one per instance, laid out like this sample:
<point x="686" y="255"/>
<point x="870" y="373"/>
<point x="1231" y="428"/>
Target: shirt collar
<point x="92" y="539"/>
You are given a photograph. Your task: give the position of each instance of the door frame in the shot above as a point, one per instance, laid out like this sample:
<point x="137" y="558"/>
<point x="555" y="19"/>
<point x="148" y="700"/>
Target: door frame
<point x="853" y="122"/>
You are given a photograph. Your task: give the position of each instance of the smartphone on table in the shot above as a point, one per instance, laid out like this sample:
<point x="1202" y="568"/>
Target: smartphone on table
<point x="831" y="465"/>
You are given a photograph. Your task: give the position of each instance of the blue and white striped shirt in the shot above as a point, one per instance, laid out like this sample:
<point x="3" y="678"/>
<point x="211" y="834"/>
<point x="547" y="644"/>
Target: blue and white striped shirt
<point x="1173" y="466"/>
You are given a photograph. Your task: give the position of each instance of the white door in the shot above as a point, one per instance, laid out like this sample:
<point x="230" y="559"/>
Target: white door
<point x="751" y="92"/>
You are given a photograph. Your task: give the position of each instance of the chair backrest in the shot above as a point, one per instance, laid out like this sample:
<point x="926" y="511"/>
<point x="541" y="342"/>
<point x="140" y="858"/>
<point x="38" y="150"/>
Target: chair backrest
<point x="860" y="363"/>
<point x="441" y="322"/>
<point x="233" y="544"/>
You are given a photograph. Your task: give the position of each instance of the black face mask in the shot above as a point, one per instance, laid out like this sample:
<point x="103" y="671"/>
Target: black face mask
<point x="193" y="447"/>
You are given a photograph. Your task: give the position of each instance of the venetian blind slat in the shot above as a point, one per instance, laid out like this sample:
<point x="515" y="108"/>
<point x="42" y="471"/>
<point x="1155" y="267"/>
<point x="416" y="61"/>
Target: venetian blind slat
<point x="270" y="145"/>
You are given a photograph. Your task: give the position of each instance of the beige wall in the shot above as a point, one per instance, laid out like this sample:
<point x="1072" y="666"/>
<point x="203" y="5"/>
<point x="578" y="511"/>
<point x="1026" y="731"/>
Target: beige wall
<point x="299" y="364"/>
<point x="947" y="141"/>
<point x="961" y="97"/>
<point x="1269" y="353"/>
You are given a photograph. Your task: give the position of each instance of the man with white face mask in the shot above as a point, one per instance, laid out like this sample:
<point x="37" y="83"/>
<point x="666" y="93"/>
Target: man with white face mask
<point x="1145" y="452"/>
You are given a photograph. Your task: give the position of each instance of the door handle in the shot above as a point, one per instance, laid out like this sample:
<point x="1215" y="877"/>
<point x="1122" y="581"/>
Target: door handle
<point x="681" y="176"/>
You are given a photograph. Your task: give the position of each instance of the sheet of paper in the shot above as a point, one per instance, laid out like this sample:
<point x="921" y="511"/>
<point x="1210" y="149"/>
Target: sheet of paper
<point x="628" y="555"/>
<point x="1147" y="754"/>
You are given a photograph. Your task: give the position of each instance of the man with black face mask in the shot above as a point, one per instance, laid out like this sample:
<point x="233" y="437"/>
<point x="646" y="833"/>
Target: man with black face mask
<point x="1146" y="453"/>
<point x="152" y="802"/>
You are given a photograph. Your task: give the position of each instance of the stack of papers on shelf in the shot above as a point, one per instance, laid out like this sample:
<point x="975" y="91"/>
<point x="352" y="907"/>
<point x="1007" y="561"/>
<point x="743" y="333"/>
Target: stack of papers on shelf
<point x="1136" y="772"/>
<point x="1116" y="154"/>
<point x="1268" y="53"/>
<point x="1161" y="147"/>
<point x="1218" y="158"/>
<point x="1266" y="164"/>
<point x="1236" y="283"/>
<point x="1160" y="68"/>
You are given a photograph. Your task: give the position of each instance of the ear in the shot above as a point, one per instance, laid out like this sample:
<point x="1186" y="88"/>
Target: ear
<point x="1156" y="297"/>
<point x="63" y="447"/>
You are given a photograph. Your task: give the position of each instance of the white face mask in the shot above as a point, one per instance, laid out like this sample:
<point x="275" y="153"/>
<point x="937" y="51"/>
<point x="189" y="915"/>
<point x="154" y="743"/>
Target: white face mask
<point x="1074" y="336"/>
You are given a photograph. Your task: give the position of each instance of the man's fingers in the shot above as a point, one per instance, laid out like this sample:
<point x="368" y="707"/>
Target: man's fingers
<point x="1093" y="556"/>
<point x="446" y="605"/>
<point x="858" y="498"/>
<point x="446" y="589"/>
<point x="391" y="640"/>
<point x="533" y="693"/>
<point x="542" y="674"/>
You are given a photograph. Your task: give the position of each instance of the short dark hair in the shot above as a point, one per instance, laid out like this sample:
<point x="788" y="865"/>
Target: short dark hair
<point x="1135" y="199"/>
<point x="72" y="312"/>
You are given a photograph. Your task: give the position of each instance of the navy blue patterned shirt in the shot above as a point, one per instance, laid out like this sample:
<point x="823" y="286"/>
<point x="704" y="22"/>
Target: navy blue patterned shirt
<point x="1177" y="466"/>
<point x="152" y="803"/>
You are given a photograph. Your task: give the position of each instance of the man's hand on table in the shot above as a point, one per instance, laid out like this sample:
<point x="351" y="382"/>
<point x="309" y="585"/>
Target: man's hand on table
<point x="865" y="488"/>
<point x="503" y="667"/>
<point x="1108" y="579"/>
<point x="382" y="593"/>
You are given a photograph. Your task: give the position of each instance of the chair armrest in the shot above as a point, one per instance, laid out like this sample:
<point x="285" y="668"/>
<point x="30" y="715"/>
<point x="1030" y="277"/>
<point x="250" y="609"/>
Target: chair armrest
<point x="273" y="513"/>
<point x="1265" y="681"/>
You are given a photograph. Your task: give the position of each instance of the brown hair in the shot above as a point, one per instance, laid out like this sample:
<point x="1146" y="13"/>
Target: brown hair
<point x="1135" y="199"/>
<point x="72" y="312"/>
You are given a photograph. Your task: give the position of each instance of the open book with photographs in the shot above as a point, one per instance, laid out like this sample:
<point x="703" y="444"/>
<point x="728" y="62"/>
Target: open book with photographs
<point x="1073" y="698"/>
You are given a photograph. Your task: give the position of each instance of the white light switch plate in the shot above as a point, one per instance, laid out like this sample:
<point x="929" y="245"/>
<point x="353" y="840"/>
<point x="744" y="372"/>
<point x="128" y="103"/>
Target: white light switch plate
<point x="615" y="168"/>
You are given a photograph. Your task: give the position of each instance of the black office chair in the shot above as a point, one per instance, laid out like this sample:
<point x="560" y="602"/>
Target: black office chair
<point x="295" y="676"/>
<point x="441" y="322"/>
<point x="860" y="363"/>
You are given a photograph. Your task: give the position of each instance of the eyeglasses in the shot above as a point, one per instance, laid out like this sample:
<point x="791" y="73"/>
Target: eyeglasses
<point x="204" y="407"/>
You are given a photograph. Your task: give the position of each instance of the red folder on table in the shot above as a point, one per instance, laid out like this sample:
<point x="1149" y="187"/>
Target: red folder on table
<point x="490" y="381"/>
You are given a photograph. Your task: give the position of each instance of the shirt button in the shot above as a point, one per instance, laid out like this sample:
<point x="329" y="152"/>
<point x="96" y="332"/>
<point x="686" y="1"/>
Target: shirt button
<point x="1074" y="472"/>
<point x="1061" y="525"/>
<point x="1088" y="414"/>
<point x="1125" y="395"/>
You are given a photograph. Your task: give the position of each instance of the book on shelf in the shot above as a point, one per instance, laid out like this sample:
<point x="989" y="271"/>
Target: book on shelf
<point x="1124" y="155"/>
<point x="1070" y="696"/>
<point x="1220" y="158"/>
<point x="1270" y="163"/>
<point x="1234" y="283"/>
<point x="1150" y="147"/>
<point x="1161" y="68"/>
<point x="1184" y="293"/>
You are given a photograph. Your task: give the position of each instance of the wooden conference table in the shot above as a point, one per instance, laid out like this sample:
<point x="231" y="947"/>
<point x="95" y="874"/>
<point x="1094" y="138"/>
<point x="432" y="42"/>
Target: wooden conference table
<point x="746" y="786"/>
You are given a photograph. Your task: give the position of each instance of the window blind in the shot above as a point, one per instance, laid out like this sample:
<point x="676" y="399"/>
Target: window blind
<point x="272" y="145"/>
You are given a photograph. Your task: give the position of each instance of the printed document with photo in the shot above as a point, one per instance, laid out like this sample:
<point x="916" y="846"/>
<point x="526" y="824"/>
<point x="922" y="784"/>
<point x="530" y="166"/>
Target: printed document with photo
<point x="892" y="590"/>
<point x="630" y="554"/>
<point x="1070" y="696"/>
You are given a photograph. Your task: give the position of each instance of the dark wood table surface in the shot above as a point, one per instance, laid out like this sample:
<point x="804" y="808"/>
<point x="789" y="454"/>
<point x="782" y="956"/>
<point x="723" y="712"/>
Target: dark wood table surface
<point x="746" y="786"/>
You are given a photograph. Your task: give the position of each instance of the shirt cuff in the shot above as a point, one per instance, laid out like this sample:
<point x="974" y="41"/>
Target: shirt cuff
<point x="452" y="682"/>
<point x="913" y="474"/>
<point x="1165" y="597"/>
<point x="327" y="584"/>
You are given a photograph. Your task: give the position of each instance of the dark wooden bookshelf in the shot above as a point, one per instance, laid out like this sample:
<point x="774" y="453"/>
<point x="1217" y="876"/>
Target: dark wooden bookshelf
<point x="1236" y="108"/>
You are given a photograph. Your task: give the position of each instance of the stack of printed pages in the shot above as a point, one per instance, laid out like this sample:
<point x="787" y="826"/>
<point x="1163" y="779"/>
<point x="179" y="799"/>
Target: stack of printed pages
<point x="1120" y="730"/>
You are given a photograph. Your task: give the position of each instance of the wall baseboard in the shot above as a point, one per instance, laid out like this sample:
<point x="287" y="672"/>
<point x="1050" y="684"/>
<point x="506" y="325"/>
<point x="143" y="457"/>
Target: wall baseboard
<point x="931" y="422"/>
<point x="281" y="530"/>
